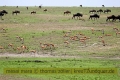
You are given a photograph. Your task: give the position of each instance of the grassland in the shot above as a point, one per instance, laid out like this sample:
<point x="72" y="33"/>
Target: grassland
<point x="50" y="27"/>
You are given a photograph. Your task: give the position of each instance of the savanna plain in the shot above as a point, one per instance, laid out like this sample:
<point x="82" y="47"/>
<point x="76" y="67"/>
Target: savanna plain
<point x="53" y="40"/>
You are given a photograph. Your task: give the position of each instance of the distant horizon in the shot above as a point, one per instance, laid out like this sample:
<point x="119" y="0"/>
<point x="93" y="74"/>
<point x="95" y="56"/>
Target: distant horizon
<point x="61" y="3"/>
<point x="53" y="6"/>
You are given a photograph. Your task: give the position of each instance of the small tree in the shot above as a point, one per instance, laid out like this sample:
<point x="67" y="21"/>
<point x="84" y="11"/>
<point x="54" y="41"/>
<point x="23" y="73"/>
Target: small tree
<point x="16" y="6"/>
<point x="103" y="6"/>
<point x="80" y="5"/>
<point x="40" y="6"/>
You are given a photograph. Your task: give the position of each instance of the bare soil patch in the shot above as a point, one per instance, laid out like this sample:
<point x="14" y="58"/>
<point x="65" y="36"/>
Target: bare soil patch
<point x="30" y="55"/>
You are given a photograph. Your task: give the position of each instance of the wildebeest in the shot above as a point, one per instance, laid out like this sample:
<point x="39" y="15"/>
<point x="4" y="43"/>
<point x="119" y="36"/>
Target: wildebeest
<point x="67" y="12"/>
<point x="95" y="16"/>
<point x="107" y="10"/>
<point x="16" y="11"/>
<point x="45" y="10"/>
<point x="100" y="10"/>
<point x="33" y="12"/>
<point x="117" y="17"/>
<point x="2" y="13"/>
<point x="113" y="17"/>
<point x="77" y="15"/>
<point x="92" y="11"/>
<point x="110" y="17"/>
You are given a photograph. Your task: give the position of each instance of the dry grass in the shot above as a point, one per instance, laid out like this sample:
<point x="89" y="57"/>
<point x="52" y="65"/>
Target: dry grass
<point x="51" y="26"/>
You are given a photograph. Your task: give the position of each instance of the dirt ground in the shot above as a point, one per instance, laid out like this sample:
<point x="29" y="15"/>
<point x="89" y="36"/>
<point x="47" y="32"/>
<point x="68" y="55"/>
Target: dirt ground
<point x="10" y="77"/>
<point x="30" y="55"/>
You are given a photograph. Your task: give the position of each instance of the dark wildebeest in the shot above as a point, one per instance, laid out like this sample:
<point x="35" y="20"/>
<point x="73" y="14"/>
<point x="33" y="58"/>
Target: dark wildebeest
<point x="95" y="16"/>
<point x="45" y="10"/>
<point x="16" y="11"/>
<point x="33" y="12"/>
<point x="77" y="15"/>
<point x="99" y="11"/>
<point x="2" y="13"/>
<point x="92" y="11"/>
<point x="117" y="17"/>
<point x="107" y="10"/>
<point x="67" y="12"/>
<point x="113" y="17"/>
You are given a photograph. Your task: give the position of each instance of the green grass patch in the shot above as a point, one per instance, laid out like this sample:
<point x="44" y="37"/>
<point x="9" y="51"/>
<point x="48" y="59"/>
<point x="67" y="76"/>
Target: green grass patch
<point x="61" y="63"/>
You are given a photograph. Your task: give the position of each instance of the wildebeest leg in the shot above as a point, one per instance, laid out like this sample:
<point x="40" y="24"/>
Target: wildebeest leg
<point x="96" y="18"/>
<point x="106" y="19"/>
<point x="1" y="17"/>
<point x="89" y="17"/>
<point x="73" y="17"/>
<point x="79" y="17"/>
<point x="113" y="20"/>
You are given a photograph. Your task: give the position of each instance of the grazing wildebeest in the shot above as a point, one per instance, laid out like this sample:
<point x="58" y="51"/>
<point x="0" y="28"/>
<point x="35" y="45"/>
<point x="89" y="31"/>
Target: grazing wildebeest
<point x="95" y="16"/>
<point x="67" y="12"/>
<point x="77" y="15"/>
<point x="99" y="11"/>
<point x="107" y="10"/>
<point x="33" y="12"/>
<point x="92" y="11"/>
<point x="2" y="13"/>
<point x="16" y="11"/>
<point x="111" y="17"/>
<point x="45" y="10"/>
